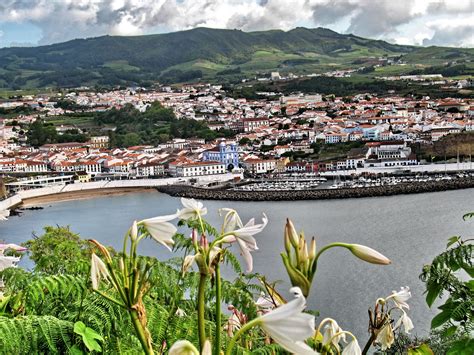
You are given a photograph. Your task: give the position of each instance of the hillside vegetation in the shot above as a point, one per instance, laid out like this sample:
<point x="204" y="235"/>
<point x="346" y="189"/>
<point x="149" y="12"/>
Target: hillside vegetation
<point x="201" y="53"/>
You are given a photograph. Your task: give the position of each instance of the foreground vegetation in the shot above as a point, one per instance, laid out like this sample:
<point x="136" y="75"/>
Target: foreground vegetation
<point x="83" y="297"/>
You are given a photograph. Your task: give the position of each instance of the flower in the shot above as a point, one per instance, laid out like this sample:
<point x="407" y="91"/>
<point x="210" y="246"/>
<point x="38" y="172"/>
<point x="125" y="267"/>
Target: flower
<point x="266" y="303"/>
<point x="134" y="231"/>
<point x="98" y="271"/>
<point x="160" y="229"/>
<point x="245" y="239"/>
<point x="400" y="297"/>
<point x="289" y="326"/>
<point x="385" y="337"/>
<point x="290" y="233"/>
<point x="188" y="262"/>
<point x="231" y="220"/>
<point x="4" y="215"/>
<point x="329" y="335"/>
<point x="192" y="209"/>
<point x="368" y="254"/>
<point x="352" y="348"/>
<point x="406" y="321"/>
<point x="180" y="312"/>
<point x="184" y="347"/>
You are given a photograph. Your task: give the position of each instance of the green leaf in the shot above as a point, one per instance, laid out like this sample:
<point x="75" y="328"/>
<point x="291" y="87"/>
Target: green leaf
<point x="422" y="349"/>
<point x="468" y="215"/>
<point x="89" y="336"/>
<point x="469" y="269"/>
<point x="75" y="351"/>
<point x="440" y="319"/>
<point x="462" y="347"/>
<point x="433" y="293"/>
<point x="450" y="331"/>
<point x="452" y="240"/>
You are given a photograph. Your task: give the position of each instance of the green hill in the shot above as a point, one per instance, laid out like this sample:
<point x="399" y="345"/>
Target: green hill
<point x="201" y="52"/>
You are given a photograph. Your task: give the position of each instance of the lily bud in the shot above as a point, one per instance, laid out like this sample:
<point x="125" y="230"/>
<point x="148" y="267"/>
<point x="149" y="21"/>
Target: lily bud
<point x="121" y="265"/>
<point x="194" y="236"/>
<point x="287" y="244"/>
<point x="368" y="254"/>
<point x="291" y="232"/>
<point x="134" y="231"/>
<point x="103" y="250"/>
<point x="305" y="251"/>
<point x="312" y="249"/>
<point x="301" y="243"/>
<point x="204" y="242"/>
<point x="183" y="347"/>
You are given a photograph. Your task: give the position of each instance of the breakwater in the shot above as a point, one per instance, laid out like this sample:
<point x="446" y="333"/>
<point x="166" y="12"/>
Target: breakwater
<point x="321" y="194"/>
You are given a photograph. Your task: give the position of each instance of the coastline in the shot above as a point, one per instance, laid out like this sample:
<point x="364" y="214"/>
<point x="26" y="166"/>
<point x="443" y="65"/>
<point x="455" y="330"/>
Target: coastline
<point x="322" y="194"/>
<point x="80" y="195"/>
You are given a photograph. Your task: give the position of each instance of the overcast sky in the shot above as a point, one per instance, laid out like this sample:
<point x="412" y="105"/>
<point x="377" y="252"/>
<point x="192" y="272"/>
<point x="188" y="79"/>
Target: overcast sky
<point x="419" y="22"/>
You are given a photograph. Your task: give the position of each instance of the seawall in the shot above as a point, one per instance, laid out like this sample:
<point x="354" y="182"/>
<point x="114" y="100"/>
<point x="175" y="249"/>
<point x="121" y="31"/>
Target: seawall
<point x="60" y="191"/>
<point x="321" y="194"/>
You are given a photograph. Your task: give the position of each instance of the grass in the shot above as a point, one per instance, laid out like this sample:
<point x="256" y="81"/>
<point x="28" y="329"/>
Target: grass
<point x="82" y="121"/>
<point x="121" y="65"/>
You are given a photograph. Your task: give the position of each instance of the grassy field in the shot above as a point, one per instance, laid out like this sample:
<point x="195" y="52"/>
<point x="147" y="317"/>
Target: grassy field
<point x="81" y="121"/>
<point x="120" y="65"/>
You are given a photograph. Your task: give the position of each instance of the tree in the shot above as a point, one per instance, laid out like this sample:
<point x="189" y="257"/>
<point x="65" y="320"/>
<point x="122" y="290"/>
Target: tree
<point x="59" y="251"/>
<point x="131" y="139"/>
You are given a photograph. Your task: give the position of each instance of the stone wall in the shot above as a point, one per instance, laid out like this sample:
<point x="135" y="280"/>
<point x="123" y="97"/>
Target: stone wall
<point x="323" y="194"/>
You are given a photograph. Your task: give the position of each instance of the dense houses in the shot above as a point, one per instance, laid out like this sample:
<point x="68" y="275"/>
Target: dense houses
<point x="272" y="135"/>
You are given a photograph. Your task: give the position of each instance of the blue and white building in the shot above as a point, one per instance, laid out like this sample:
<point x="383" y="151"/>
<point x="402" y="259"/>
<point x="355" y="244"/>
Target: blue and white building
<point x="223" y="153"/>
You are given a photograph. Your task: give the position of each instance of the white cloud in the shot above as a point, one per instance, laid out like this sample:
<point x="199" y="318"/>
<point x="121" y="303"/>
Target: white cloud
<point x="384" y="19"/>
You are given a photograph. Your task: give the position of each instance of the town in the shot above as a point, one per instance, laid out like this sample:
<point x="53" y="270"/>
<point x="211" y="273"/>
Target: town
<point x="277" y="134"/>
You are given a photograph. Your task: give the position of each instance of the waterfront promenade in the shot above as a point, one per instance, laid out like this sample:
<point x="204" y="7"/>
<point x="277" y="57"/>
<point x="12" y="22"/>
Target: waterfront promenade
<point x="97" y="187"/>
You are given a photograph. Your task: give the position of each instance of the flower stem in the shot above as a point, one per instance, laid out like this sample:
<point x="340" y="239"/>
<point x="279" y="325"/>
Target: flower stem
<point x="144" y="340"/>
<point x="368" y="345"/>
<point x="200" y="310"/>
<point x="217" y="341"/>
<point x="329" y="246"/>
<point x="241" y="331"/>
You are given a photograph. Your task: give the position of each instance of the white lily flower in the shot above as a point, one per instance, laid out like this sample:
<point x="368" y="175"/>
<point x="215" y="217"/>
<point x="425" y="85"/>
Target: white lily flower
<point x="213" y="254"/>
<point x="188" y="262"/>
<point x="400" y="297"/>
<point x="4" y="214"/>
<point x="98" y="271"/>
<point x="245" y="239"/>
<point x="192" y="209"/>
<point x="231" y="219"/>
<point x="368" y="254"/>
<point x="160" y="229"/>
<point x="265" y="303"/>
<point x="405" y="321"/>
<point x="329" y="334"/>
<point x="385" y="337"/>
<point x="184" y="347"/>
<point x="11" y="246"/>
<point x="233" y="324"/>
<point x="289" y="326"/>
<point x="352" y="348"/>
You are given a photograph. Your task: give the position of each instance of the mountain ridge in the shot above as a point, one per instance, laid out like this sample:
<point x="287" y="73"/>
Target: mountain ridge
<point x="199" y="52"/>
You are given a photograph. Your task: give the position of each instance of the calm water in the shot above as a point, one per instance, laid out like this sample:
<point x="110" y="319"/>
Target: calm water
<point x="409" y="229"/>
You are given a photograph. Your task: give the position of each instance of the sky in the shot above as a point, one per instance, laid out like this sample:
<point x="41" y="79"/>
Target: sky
<point x="414" y="22"/>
